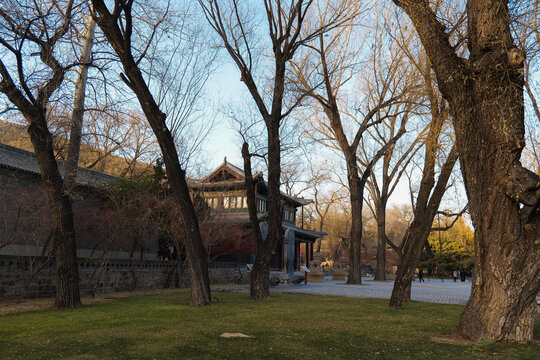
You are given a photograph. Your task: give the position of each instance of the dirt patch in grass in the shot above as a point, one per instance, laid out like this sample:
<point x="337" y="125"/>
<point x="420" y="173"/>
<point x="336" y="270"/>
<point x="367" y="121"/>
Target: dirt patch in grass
<point x="23" y="305"/>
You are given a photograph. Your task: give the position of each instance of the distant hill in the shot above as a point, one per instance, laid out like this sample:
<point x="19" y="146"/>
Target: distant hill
<point x="91" y="157"/>
<point x="15" y="135"/>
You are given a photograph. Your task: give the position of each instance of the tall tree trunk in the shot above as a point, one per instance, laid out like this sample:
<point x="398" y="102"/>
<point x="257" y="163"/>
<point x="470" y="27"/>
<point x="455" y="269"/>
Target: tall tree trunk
<point x="64" y="240"/>
<point x="429" y="196"/>
<point x="489" y="125"/>
<point x="426" y="207"/>
<point x="259" y="280"/>
<point x="486" y="98"/>
<point x="260" y="287"/>
<point x="413" y="242"/>
<point x="356" y="188"/>
<point x="260" y="276"/>
<point x="507" y="268"/>
<point x="380" y="270"/>
<point x="195" y="251"/>
<point x="63" y="229"/>
<point x="74" y="146"/>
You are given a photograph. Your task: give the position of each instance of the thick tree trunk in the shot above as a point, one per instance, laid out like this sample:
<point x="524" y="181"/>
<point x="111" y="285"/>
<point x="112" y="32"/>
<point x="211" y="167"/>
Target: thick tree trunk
<point x="67" y="273"/>
<point x="507" y="268"/>
<point x="407" y="295"/>
<point x="355" y="241"/>
<point x="502" y="303"/>
<point x="34" y="109"/>
<point x="489" y="125"/>
<point x="380" y="270"/>
<point x="413" y="243"/>
<point x="416" y="236"/>
<point x="260" y="276"/>
<point x="486" y="97"/>
<point x="195" y="251"/>
<point x="63" y="229"/>
<point x="260" y="287"/>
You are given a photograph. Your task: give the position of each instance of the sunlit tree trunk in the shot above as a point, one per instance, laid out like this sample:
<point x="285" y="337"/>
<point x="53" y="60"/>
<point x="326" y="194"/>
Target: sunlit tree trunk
<point x="485" y="93"/>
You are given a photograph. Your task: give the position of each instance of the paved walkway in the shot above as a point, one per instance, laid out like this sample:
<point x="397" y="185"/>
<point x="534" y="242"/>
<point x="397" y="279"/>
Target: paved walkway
<point x="447" y="292"/>
<point x="437" y="291"/>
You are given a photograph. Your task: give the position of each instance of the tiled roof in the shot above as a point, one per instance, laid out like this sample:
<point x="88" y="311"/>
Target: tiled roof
<point x="203" y="183"/>
<point x="236" y="169"/>
<point x="230" y="167"/>
<point x="15" y="158"/>
<point x="304" y="235"/>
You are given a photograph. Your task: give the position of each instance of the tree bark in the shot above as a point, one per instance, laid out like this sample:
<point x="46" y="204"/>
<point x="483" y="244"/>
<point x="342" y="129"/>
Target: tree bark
<point x="64" y="240"/>
<point x="34" y="111"/>
<point x="426" y="207"/>
<point x="380" y="270"/>
<point x="486" y="98"/>
<point x="356" y="186"/>
<point x="260" y="286"/>
<point x="195" y="251"/>
<point x="74" y="146"/>
<point x="260" y="275"/>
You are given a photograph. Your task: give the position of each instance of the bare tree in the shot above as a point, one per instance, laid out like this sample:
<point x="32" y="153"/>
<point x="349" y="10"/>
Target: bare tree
<point x="292" y="175"/>
<point x="334" y="68"/>
<point x="485" y="92"/>
<point x="118" y="26"/>
<point x="323" y="201"/>
<point x="27" y="29"/>
<point x="381" y="189"/>
<point x="288" y="30"/>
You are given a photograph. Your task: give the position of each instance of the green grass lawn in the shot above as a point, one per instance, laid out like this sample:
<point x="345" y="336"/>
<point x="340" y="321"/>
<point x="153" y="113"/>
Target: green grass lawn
<point x="284" y="327"/>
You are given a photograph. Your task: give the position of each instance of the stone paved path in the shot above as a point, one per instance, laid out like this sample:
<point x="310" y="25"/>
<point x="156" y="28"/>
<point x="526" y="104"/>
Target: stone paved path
<point x="447" y="292"/>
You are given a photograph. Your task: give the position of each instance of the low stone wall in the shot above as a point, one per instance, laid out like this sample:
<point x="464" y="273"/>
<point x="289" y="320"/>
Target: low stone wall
<point x="25" y="277"/>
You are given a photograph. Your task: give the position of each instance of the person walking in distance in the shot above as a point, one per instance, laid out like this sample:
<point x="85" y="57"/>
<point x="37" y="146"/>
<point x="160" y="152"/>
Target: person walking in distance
<point x="420" y="275"/>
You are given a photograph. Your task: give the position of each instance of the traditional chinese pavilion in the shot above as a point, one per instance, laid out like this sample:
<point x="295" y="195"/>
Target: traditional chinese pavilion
<point x="227" y="231"/>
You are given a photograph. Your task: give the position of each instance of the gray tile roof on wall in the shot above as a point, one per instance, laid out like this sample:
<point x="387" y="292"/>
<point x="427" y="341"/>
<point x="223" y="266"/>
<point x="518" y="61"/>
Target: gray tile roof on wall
<point x="22" y="160"/>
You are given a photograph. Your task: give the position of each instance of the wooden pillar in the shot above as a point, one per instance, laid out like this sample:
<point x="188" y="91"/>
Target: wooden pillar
<point x="280" y="255"/>
<point x="307" y="255"/>
<point x="296" y="255"/>
<point x="311" y="251"/>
